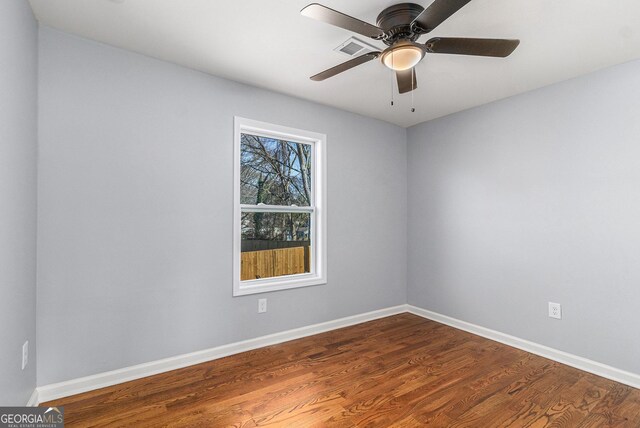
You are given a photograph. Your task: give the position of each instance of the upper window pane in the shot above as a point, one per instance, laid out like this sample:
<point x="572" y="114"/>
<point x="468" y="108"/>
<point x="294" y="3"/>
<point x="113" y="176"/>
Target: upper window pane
<point x="274" y="172"/>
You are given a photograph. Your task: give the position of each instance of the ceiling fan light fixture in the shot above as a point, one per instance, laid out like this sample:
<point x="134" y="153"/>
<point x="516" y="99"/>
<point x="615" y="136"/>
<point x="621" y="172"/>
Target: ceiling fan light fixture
<point x="402" y="56"/>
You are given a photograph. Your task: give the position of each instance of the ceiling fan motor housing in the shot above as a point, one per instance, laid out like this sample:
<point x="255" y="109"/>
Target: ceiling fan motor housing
<point x="396" y="21"/>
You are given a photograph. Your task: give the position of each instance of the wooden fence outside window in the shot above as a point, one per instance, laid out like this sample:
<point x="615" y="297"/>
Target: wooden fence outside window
<point x="275" y="262"/>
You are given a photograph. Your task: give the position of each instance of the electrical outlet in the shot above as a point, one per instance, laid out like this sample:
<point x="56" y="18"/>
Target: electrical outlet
<point x="555" y="310"/>
<point x="25" y="354"/>
<point x="262" y="306"/>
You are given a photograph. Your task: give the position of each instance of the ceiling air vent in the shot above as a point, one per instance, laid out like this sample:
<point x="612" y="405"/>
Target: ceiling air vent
<point x="355" y="47"/>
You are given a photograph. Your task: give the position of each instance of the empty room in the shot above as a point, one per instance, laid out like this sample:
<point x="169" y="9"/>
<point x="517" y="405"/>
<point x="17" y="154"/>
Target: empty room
<point x="341" y="214"/>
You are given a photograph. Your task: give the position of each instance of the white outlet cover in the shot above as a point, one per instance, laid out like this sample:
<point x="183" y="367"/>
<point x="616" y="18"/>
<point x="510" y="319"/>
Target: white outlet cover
<point x="262" y="306"/>
<point x="25" y="354"/>
<point x="555" y="310"/>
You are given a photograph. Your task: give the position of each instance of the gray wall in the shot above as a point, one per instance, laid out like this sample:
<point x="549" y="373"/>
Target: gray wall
<point x="18" y="162"/>
<point x="135" y="225"/>
<point x="528" y="200"/>
<point x="534" y="199"/>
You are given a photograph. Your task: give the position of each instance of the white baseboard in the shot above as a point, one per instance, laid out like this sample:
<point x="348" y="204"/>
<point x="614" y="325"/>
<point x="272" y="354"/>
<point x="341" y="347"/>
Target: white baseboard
<point x="581" y="363"/>
<point x="101" y="380"/>
<point x="33" y="400"/>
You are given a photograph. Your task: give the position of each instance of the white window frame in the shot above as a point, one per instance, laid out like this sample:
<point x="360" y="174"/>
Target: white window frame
<point x="317" y="209"/>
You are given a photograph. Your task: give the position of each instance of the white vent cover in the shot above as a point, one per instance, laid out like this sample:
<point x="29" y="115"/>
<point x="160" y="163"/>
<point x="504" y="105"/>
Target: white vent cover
<point x="355" y="47"/>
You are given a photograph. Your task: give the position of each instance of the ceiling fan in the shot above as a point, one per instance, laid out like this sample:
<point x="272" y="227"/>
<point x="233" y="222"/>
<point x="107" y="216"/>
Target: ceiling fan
<point x="399" y="27"/>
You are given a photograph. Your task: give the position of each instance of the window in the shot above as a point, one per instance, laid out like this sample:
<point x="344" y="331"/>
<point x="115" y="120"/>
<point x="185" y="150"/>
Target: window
<point x="280" y="208"/>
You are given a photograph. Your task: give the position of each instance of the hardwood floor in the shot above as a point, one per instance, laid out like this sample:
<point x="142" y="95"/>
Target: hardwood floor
<point x="400" y="371"/>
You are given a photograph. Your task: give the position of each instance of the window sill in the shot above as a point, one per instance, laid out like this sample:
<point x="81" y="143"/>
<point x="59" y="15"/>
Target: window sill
<point x="256" y="286"/>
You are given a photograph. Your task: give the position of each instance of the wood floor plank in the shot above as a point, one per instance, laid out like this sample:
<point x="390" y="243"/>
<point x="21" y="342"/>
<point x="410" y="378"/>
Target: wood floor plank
<point x="400" y="371"/>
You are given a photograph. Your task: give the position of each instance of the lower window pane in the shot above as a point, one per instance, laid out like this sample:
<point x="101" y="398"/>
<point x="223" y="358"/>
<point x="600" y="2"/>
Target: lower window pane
<point x="275" y="244"/>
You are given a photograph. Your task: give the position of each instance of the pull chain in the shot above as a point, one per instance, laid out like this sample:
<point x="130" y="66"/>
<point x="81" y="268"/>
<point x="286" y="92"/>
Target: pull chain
<point x="392" y="88"/>
<point x="392" y="75"/>
<point x="413" y="88"/>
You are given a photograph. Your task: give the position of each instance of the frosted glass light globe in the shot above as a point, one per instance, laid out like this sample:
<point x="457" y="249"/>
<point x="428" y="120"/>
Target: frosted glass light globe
<point x="402" y="56"/>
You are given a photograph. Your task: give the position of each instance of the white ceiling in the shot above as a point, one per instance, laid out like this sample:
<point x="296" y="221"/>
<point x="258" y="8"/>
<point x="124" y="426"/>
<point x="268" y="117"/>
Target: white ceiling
<point x="267" y="43"/>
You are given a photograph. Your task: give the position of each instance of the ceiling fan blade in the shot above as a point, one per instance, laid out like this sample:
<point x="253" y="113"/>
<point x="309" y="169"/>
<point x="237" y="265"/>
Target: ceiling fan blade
<point x="333" y="17"/>
<point x="438" y="12"/>
<point x="407" y="81"/>
<point x="480" y="47"/>
<point x="345" y="66"/>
